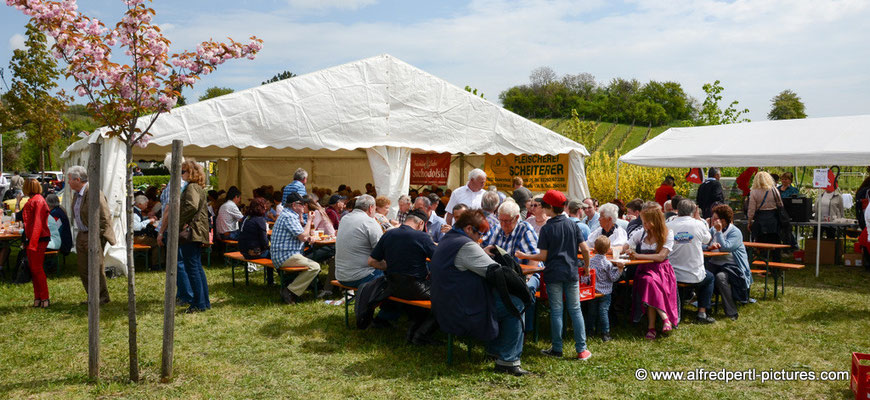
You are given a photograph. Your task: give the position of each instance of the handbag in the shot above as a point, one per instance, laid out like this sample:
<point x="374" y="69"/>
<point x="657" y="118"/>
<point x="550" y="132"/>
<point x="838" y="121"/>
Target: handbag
<point x="22" y="269"/>
<point x="185" y="234"/>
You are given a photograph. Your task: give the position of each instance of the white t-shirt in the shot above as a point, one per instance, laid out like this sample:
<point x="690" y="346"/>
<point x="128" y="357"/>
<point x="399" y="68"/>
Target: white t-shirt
<point x="636" y="238"/>
<point x="464" y="195"/>
<point x="228" y="217"/>
<point x="618" y="238"/>
<point x="687" y="256"/>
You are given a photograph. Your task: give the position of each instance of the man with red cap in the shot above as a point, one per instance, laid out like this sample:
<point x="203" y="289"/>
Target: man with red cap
<point x="559" y="242"/>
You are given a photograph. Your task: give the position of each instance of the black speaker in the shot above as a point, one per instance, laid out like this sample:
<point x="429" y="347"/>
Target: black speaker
<point x="799" y="209"/>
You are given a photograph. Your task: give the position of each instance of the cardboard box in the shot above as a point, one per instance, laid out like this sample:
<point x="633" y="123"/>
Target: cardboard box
<point x="828" y="251"/>
<point x="853" y="259"/>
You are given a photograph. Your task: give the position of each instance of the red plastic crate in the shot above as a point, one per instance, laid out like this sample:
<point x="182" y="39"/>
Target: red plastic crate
<point x="860" y="380"/>
<point x="799" y="255"/>
<point x="587" y="292"/>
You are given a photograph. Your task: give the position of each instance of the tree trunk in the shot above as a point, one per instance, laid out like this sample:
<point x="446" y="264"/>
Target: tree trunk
<point x="131" y="272"/>
<point x="95" y="259"/>
<point x="171" y="262"/>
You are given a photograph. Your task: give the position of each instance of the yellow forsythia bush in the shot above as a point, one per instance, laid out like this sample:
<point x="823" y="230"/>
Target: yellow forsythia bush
<point x="634" y="181"/>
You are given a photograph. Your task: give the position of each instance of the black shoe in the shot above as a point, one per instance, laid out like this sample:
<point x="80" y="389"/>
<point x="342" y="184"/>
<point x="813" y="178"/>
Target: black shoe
<point x="705" y="320"/>
<point x="733" y="317"/>
<point x="514" y="370"/>
<point x="193" y="310"/>
<point x="552" y="353"/>
<point x="378" y="323"/>
<point x="606" y="337"/>
<point x="287" y="296"/>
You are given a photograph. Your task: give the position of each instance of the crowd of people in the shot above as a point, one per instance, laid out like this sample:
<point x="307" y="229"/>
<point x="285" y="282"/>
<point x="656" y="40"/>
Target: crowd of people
<point x="447" y="247"/>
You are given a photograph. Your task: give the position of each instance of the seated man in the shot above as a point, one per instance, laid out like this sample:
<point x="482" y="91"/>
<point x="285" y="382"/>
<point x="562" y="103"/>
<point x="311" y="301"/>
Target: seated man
<point x="687" y="258"/>
<point x="357" y="236"/>
<point x="229" y="215"/>
<point x="464" y="304"/>
<point x="515" y="234"/>
<point x="402" y="254"/>
<point x="145" y="231"/>
<point x="435" y="225"/>
<point x="289" y="236"/>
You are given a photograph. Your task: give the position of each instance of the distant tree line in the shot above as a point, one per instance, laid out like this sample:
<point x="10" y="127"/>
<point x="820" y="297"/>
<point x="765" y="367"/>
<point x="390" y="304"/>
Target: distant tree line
<point x="626" y="101"/>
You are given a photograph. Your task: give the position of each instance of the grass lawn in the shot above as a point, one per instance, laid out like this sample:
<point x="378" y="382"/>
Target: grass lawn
<point x="251" y="346"/>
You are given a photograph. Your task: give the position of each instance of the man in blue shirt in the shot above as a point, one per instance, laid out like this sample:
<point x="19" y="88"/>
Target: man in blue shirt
<point x="435" y="225"/>
<point x="403" y="254"/>
<point x="574" y="208"/>
<point x="590" y="208"/>
<point x="289" y="237"/>
<point x="300" y="178"/>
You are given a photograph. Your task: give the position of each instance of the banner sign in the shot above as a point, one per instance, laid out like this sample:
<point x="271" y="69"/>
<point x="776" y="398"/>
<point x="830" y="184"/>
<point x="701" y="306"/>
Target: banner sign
<point x="430" y="169"/>
<point x="539" y="173"/>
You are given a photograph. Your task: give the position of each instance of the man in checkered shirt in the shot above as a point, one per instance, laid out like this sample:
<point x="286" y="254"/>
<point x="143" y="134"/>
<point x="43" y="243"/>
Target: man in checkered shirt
<point x="289" y="236"/>
<point x="516" y="234"/>
<point x="404" y="207"/>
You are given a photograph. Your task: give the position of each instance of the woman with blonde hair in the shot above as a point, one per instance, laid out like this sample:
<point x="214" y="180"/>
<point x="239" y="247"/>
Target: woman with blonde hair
<point x="194" y="228"/>
<point x="764" y="198"/>
<point x="382" y="207"/>
<point x="36" y="237"/>
<point x="654" y="292"/>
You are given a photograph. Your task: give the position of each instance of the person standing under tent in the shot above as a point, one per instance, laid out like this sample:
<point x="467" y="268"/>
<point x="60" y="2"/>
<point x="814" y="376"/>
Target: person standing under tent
<point x="470" y="194"/>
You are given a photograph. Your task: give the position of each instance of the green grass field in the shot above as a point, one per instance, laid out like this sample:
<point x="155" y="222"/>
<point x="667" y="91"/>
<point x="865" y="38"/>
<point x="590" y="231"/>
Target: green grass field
<point x="251" y="346"/>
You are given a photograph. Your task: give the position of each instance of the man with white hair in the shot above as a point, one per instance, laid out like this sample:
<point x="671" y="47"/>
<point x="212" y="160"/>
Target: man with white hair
<point x="470" y="194"/>
<point x="489" y="204"/>
<point x="687" y="258"/>
<point x="608" y="213"/>
<point x="357" y="236"/>
<point x="77" y="178"/>
<point x="404" y="207"/>
<point x="300" y="178"/>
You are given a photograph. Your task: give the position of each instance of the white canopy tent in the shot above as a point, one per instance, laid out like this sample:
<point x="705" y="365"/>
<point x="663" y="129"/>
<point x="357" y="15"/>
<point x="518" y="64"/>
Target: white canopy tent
<point x="353" y="123"/>
<point x="795" y="142"/>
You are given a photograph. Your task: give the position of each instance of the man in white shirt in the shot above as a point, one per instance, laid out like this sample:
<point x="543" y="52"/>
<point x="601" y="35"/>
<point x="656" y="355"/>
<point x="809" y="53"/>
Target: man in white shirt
<point x="229" y="216"/>
<point x="687" y="257"/>
<point x="469" y="194"/>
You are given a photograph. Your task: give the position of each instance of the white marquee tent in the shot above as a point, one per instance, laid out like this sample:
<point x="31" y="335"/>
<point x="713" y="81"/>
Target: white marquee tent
<point x="353" y="123"/>
<point x="795" y="142"/>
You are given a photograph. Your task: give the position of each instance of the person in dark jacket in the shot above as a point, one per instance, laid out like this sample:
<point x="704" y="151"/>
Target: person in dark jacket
<point x="710" y="192"/>
<point x="193" y="216"/>
<point x="253" y="232"/>
<point x="462" y="301"/>
<point x="56" y="211"/>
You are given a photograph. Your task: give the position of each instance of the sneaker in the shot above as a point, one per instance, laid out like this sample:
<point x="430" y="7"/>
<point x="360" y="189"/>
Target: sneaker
<point x="552" y="353"/>
<point x="584" y="355"/>
<point x="706" y="319"/>
<point x="606" y="338"/>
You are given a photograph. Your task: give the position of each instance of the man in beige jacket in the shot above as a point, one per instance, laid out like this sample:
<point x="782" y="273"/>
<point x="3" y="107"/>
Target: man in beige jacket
<point x="77" y="178"/>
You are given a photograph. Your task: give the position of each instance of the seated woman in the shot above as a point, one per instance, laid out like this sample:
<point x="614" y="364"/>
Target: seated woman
<point x="382" y="207"/>
<point x="654" y="292"/>
<point x="536" y="217"/>
<point x="733" y="276"/>
<point x="62" y="223"/>
<point x="253" y="237"/>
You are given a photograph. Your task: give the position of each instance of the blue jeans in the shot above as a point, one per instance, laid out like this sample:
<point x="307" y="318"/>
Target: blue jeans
<point x="571" y="291"/>
<point x="232" y="235"/>
<point x="184" y="292"/>
<point x="600" y="310"/>
<point x="370" y="277"/>
<point x="533" y="284"/>
<point x="190" y="254"/>
<point x="508" y="345"/>
<point x="705" y="290"/>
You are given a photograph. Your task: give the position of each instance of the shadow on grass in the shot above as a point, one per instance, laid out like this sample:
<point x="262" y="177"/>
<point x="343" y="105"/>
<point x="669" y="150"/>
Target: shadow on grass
<point x="115" y="309"/>
<point x="256" y="293"/>
<point x="40" y="384"/>
<point x="834" y="314"/>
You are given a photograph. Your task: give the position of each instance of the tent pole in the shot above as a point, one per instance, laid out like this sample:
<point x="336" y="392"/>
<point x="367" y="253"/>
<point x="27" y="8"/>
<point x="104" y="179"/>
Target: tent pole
<point x="461" y="168"/>
<point x="818" y="229"/>
<point x="239" y="168"/>
<point x="617" y="180"/>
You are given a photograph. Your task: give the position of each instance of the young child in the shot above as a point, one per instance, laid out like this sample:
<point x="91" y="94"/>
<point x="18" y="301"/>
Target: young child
<point x="559" y="242"/>
<point x="605" y="275"/>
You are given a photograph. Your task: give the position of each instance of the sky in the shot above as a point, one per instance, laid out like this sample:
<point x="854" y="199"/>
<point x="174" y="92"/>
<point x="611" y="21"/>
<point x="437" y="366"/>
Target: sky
<point x="757" y="49"/>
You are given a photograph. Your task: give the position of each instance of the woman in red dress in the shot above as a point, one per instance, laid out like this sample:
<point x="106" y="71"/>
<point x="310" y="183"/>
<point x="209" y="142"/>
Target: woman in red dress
<point x="36" y="238"/>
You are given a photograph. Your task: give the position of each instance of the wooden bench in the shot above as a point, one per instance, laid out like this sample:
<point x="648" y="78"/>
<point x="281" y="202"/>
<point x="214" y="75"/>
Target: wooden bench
<point x="57" y="255"/>
<point x="777" y="271"/>
<point x="426" y="304"/>
<point x="235" y="259"/>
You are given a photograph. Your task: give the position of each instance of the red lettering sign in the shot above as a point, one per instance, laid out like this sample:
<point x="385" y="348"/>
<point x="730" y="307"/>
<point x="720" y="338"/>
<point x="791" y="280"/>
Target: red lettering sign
<point x="430" y="169"/>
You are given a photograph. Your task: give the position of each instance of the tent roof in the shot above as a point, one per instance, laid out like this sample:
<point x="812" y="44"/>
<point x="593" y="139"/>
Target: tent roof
<point x="378" y="101"/>
<point x="795" y="142"/>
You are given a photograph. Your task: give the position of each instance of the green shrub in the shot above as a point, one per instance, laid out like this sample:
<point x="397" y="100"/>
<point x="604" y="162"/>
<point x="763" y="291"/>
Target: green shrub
<point x="150" y="180"/>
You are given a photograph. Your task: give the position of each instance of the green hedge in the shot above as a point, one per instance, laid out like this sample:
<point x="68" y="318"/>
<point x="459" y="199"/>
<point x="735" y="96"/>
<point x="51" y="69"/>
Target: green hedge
<point x="150" y="180"/>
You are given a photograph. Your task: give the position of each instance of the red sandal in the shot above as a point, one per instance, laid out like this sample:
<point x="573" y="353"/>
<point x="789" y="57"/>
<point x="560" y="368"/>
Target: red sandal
<point x="651" y="334"/>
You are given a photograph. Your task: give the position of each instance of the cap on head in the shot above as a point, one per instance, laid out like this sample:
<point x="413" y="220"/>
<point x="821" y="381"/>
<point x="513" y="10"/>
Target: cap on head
<point x="554" y="198"/>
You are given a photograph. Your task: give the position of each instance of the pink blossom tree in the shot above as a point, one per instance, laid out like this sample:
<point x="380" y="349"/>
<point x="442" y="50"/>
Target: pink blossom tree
<point x="120" y="94"/>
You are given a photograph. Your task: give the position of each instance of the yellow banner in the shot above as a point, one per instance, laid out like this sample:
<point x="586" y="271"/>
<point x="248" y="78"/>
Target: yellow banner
<point x="539" y="173"/>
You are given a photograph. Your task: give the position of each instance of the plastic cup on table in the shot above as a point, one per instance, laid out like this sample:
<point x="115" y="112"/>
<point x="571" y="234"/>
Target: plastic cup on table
<point x="615" y="251"/>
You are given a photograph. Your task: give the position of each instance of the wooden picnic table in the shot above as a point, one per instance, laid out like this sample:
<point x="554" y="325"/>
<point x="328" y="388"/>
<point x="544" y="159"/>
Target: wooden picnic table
<point x="774" y="269"/>
<point x="715" y="253"/>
